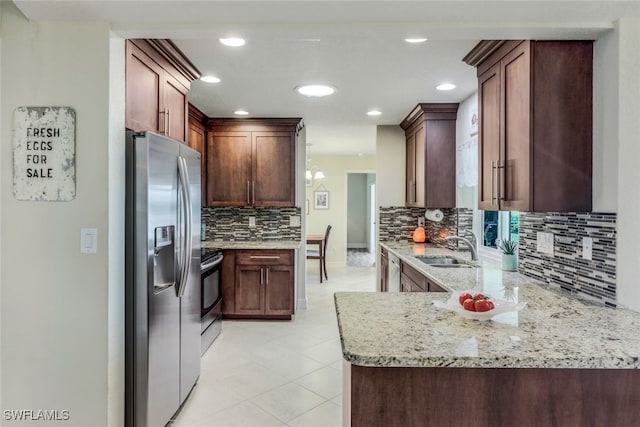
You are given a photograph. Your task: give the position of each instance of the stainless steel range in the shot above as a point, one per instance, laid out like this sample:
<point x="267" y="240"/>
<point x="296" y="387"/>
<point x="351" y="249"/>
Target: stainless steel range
<point x="211" y="305"/>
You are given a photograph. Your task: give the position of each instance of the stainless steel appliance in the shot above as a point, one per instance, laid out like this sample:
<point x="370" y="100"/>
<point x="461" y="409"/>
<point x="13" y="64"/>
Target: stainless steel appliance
<point x="162" y="295"/>
<point x="394" y="273"/>
<point x="211" y="292"/>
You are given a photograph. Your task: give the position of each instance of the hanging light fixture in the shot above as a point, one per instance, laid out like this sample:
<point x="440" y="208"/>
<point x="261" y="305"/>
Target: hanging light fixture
<point x="312" y="171"/>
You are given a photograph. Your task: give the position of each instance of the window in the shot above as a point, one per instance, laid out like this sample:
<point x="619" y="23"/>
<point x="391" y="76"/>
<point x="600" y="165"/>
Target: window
<point x="498" y="225"/>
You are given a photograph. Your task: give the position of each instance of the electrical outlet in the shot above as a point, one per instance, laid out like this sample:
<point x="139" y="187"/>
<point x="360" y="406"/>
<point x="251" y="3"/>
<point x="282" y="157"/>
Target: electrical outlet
<point x="421" y="221"/>
<point x="252" y="222"/>
<point x="544" y="242"/>
<point x="587" y="248"/>
<point x="294" y="221"/>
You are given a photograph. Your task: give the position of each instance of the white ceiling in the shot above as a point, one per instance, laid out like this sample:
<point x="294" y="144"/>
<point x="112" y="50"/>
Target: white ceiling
<point x="356" y="45"/>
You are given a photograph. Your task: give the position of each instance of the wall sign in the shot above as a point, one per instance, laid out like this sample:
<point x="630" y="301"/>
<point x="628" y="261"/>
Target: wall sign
<point x="44" y="153"/>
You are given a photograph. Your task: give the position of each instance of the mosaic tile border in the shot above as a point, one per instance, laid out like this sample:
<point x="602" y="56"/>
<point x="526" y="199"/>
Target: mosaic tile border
<point x="232" y="224"/>
<point x="595" y="279"/>
<point x="398" y="222"/>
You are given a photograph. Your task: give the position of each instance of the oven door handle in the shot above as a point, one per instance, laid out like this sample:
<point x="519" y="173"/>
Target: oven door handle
<point x="211" y="264"/>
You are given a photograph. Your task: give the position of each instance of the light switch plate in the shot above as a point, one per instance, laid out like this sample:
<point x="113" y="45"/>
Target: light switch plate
<point x="544" y="242"/>
<point x="587" y="248"/>
<point x="252" y="222"/>
<point x="88" y="240"/>
<point x="294" y="221"/>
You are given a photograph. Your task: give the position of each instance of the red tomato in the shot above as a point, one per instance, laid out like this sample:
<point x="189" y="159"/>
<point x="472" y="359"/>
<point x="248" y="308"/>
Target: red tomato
<point x="483" y="305"/>
<point x="478" y="296"/>
<point x="464" y="296"/>
<point x="469" y="304"/>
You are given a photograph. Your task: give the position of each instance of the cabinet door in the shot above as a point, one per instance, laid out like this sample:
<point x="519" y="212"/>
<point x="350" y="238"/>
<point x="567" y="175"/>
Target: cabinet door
<point x="489" y="105"/>
<point x="415" y="167"/>
<point x="143" y="91"/>
<point x="229" y="169"/>
<point x="410" y="195"/>
<point x="278" y="290"/>
<point x="433" y="287"/>
<point x="440" y="170"/>
<point x="420" y="166"/>
<point x="273" y="182"/>
<point x="249" y="298"/>
<point x="174" y="108"/>
<point x="514" y="188"/>
<point x="196" y="140"/>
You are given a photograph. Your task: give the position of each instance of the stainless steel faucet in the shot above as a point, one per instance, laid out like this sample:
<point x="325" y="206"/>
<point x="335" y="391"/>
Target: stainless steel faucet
<point x="474" y="249"/>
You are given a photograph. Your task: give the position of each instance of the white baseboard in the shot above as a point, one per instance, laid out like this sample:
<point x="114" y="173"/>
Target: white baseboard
<point x="357" y="246"/>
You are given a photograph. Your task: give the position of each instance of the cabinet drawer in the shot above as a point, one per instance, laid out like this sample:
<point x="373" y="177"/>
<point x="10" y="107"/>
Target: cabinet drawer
<point x="414" y="275"/>
<point x="264" y="257"/>
<point x="408" y="285"/>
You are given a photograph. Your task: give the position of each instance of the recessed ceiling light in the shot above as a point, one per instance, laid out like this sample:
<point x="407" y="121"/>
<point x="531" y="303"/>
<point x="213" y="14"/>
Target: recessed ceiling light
<point x="241" y="113"/>
<point x="210" y="79"/>
<point x="446" y="86"/>
<point x="373" y="113"/>
<point x="415" y="40"/>
<point x="233" y="41"/>
<point x="315" y="90"/>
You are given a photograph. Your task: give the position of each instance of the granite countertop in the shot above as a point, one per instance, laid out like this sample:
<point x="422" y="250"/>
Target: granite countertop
<point x="480" y="275"/>
<point x="256" y="244"/>
<point x="553" y="330"/>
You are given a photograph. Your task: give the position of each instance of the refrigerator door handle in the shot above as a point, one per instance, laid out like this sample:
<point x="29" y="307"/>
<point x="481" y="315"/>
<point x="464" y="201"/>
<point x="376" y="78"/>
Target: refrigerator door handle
<point x="186" y="238"/>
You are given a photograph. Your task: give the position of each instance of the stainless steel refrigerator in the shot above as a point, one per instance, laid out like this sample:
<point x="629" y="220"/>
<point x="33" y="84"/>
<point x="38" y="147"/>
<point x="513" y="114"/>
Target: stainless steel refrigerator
<point x="162" y="296"/>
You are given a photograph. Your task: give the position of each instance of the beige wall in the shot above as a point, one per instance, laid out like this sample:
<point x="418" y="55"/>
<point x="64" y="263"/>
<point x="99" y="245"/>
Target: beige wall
<point x="390" y="172"/>
<point x="628" y="173"/>
<point x="335" y="169"/>
<point x="55" y="300"/>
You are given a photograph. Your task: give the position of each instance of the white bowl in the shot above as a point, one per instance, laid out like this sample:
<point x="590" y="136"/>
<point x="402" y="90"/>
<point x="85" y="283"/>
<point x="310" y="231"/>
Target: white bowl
<point x="501" y="306"/>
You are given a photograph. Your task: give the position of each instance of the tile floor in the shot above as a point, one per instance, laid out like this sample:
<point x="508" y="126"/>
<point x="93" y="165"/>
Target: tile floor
<point x="277" y="373"/>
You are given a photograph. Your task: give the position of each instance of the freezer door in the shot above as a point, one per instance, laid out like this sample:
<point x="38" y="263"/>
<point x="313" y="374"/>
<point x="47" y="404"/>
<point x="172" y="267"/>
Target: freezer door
<point x="190" y="305"/>
<point x="156" y="311"/>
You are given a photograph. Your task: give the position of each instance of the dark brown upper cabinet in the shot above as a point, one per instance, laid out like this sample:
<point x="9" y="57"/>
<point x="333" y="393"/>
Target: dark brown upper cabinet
<point x="252" y="162"/>
<point x="430" y="130"/>
<point x="158" y="78"/>
<point x="197" y="140"/>
<point x="535" y="130"/>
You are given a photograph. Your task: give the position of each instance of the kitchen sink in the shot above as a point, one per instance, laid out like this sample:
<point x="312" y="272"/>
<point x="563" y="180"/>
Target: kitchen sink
<point x="438" y="260"/>
<point x="442" y="262"/>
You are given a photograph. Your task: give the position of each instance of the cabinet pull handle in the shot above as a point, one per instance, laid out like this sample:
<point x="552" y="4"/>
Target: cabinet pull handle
<point x="264" y="257"/>
<point x="161" y="121"/>
<point x="248" y="194"/>
<point x="267" y="275"/>
<point x="494" y="168"/>
<point x="253" y="192"/>
<point x="501" y="176"/>
<point x="261" y="276"/>
<point x="168" y="129"/>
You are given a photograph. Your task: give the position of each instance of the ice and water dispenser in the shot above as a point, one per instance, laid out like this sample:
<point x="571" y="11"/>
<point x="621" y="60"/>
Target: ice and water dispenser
<point x="164" y="260"/>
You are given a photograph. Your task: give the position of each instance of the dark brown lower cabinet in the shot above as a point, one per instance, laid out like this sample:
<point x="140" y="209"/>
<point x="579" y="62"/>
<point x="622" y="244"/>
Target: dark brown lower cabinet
<point x="441" y="396"/>
<point x="260" y="286"/>
<point x="411" y="280"/>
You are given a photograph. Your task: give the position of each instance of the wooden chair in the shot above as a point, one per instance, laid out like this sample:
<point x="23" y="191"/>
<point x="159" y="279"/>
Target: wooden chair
<point x="320" y="254"/>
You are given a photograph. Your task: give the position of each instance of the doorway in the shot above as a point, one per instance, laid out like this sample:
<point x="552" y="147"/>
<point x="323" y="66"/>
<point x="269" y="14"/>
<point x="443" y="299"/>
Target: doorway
<point x="361" y="229"/>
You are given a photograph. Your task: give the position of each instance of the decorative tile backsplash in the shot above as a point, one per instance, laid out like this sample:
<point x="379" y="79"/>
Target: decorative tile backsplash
<point x="232" y="224"/>
<point x="398" y="222"/>
<point x="567" y="268"/>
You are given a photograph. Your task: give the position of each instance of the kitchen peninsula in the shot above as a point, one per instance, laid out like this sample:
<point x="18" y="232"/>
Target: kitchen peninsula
<point x="560" y="361"/>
